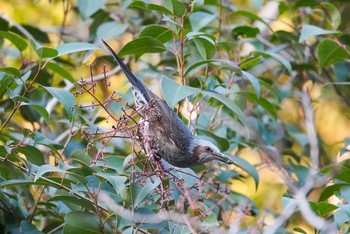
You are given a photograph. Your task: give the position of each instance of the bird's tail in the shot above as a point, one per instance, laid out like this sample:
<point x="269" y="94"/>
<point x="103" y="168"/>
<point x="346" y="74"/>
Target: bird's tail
<point x="133" y="80"/>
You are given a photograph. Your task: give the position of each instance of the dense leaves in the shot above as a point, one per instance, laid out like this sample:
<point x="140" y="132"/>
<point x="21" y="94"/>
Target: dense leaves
<point x="266" y="81"/>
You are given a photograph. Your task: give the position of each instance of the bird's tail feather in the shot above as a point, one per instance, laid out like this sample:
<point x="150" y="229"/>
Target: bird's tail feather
<point x="133" y="80"/>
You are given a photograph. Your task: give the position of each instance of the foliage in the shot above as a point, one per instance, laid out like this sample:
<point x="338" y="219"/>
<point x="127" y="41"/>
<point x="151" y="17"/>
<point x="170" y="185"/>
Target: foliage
<point x="257" y="78"/>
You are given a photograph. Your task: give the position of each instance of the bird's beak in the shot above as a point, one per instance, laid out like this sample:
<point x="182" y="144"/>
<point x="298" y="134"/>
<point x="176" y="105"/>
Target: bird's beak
<point x="223" y="158"/>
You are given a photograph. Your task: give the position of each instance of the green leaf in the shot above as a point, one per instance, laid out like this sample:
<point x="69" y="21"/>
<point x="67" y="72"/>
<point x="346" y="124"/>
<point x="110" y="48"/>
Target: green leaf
<point x="299" y="230"/>
<point x="251" y="16"/>
<point x="159" y="32"/>
<point x="254" y="81"/>
<point x="32" y="154"/>
<point x="75" y="47"/>
<point x="197" y="65"/>
<point x="47" y="169"/>
<point x="60" y="70"/>
<point x="64" y="97"/>
<point x="342" y="215"/>
<point x="40" y="109"/>
<point x="334" y="14"/>
<point x="139" y="193"/>
<point x="205" y="43"/>
<point x="250" y="62"/>
<point x="345" y="193"/>
<point x="247" y="167"/>
<point x="42" y="140"/>
<point x="18" y="41"/>
<point x="74" y="200"/>
<point x="245" y="31"/>
<point x="324" y="208"/>
<point x="329" y="52"/>
<point x="343" y="172"/>
<point x="200" y="19"/>
<point x="209" y="37"/>
<point x="186" y="174"/>
<point x="264" y="103"/>
<point x="197" y="5"/>
<point x="222" y="143"/>
<point x="29" y="228"/>
<point x="205" y="48"/>
<point x="11" y="71"/>
<point x="118" y="183"/>
<point x="110" y="29"/>
<point x="150" y="7"/>
<point x="210" y="221"/>
<point x="176" y="7"/>
<point x="83" y="222"/>
<point x="89" y="7"/>
<point x="141" y="46"/>
<point x="229" y="104"/>
<point x="174" y="92"/>
<point x="16" y="182"/>
<point x="311" y="31"/>
<point x="112" y="162"/>
<point x="43" y="52"/>
<point x="276" y="56"/>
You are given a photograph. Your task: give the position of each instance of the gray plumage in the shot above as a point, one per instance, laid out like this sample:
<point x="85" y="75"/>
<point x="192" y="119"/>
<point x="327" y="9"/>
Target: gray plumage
<point x="165" y="134"/>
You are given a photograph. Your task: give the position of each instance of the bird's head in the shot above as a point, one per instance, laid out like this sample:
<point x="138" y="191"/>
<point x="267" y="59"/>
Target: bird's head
<point x="206" y="151"/>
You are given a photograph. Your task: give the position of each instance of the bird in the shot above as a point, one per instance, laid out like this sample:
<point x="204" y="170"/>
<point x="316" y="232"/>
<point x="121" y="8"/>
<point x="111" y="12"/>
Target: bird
<point x="166" y="135"/>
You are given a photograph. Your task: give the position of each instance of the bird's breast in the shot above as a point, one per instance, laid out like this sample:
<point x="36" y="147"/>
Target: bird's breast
<point x="158" y="140"/>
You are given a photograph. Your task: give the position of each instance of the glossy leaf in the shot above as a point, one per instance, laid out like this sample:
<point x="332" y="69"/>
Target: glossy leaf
<point x="247" y="167"/>
<point x="74" y="200"/>
<point x="176" y="7"/>
<point x="118" y="183"/>
<point x="254" y="81"/>
<point x="64" y="97"/>
<point x="251" y="16"/>
<point x="11" y="71"/>
<point x="205" y="47"/>
<point x="264" y="103"/>
<point x="89" y="7"/>
<point x="330" y="52"/>
<point x="55" y="67"/>
<point x="110" y="29"/>
<point x="325" y="208"/>
<point x="74" y="47"/>
<point x="47" y="169"/>
<point x="18" y="41"/>
<point x="342" y="215"/>
<point x="334" y="14"/>
<point x="198" y="64"/>
<point x="141" y="46"/>
<point x="276" y="56"/>
<point x="15" y="182"/>
<point x="139" y="192"/>
<point x="229" y="104"/>
<point x="27" y="227"/>
<point x="159" y="32"/>
<point x="150" y="7"/>
<point x="43" y="52"/>
<point x="201" y="19"/>
<point x="83" y="222"/>
<point x="40" y="109"/>
<point x="174" y="92"/>
<point x="32" y="154"/>
<point x="311" y="31"/>
<point x="245" y="31"/>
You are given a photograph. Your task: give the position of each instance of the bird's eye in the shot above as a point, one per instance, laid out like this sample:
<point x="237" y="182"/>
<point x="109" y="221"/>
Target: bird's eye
<point x="207" y="148"/>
